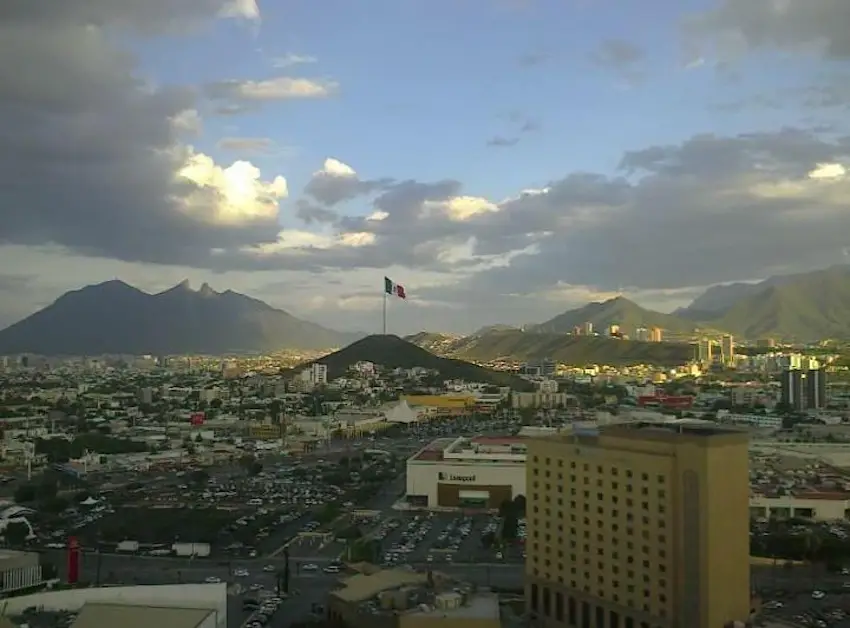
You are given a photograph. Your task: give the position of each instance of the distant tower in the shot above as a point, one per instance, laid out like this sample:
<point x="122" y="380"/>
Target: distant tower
<point x="727" y="350"/>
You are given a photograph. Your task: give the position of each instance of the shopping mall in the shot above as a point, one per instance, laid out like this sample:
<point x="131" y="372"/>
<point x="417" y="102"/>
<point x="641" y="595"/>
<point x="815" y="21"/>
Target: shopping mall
<point x="479" y="472"/>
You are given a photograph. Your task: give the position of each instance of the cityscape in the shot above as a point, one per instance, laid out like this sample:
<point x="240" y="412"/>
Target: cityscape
<point x="408" y="314"/>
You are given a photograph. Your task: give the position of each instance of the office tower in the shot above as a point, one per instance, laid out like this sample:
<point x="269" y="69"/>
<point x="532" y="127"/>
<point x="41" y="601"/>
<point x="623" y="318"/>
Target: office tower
<point x="613" y="329"/>
<point x="727" y="350"/>
<point x="639" y="525"/>
<point x="642" y="334"/>
<point x="815" y="389"/>
<point x="704" y="349"/>
<point x="803" y="390"/>
<point x="656" y="334"/>
<point x="588" y="328"/>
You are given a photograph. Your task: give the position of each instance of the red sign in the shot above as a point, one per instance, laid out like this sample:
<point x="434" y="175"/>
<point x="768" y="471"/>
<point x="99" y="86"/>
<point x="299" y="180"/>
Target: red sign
<point x="198" y="418"/>
<point x="680" y="402"/>
<point x="73" y="560"/>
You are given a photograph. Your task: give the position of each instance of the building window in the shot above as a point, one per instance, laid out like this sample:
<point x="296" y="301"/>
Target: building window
<point x="547" y="602"/>
<point x="600" y="616"/>
<point x="534" y="600"/>
<point x="571" y="611"/>
<point x="613" y="619"/>
<point x="559" y="606"/>
<point x="585" y="615"/>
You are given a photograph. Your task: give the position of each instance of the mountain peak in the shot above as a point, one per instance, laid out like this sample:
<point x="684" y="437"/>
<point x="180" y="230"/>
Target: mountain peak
<point x="116" y="318"/>
<point x="183" y="285"/>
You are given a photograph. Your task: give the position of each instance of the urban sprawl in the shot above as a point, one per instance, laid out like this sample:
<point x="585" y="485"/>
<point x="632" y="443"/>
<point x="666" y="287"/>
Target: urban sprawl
<point x="243" y="492"/>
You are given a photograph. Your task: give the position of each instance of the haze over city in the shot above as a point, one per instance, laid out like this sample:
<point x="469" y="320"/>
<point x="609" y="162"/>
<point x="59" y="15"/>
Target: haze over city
<point x="503" y="160"/>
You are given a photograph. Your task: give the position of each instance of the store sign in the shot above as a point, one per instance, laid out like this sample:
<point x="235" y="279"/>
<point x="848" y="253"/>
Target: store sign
<point x="450" y="477"/>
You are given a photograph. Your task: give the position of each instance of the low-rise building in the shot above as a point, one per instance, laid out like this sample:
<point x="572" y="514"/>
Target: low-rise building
<point x="481" y="472"/>
<point x="400" y="598"/>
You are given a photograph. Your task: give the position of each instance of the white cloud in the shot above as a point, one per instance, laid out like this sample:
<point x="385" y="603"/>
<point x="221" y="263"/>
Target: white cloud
<point x="279" y="88"/>
<point x="245" y="9"/>
<point x="461" y="208"/>
<point x="291" y="59"/>
<point x="828" y="171"/>
<point x="335" y="168"/>
<point x="239" y="195"/>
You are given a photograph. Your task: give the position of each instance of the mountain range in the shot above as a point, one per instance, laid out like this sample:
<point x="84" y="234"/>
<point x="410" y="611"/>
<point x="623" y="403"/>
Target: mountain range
<point x="116" y="318"/>
<point x="804" y="307"/>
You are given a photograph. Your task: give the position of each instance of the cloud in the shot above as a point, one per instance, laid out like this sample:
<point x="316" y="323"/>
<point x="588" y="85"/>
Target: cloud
<point x="290" y="59"/>
<point x="336" y="182"/>
<point x="270" y="90"/>
<point x="263" y="145"/>
<point x="499" y="141"/>
<point x="92" y="158"/>
<point x="310" y="213"/>
<point x="621" y="57"/>
<point x="734" y="28"/>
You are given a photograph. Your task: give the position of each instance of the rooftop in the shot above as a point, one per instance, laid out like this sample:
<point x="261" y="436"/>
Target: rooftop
<point x="129" y="616"/>
<point x="478" y="606"/>
<point x="361" y="587"/>
<point x="497" y="440"/>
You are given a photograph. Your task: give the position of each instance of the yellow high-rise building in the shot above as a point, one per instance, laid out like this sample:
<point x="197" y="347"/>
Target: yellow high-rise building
<point x="639" y="525"/>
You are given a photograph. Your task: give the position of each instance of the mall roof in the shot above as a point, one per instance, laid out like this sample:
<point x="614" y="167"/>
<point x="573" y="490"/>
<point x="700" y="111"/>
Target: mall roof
<point x="131" y="616"/>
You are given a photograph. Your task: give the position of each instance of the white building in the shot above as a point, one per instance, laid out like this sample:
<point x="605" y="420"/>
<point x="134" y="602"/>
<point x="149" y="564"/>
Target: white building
<point x="759" y="421"/>
<point x="481" y="472"/>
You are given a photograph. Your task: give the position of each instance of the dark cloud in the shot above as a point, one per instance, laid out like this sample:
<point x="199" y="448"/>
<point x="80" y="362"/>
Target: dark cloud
<point x="88" y="154"/>
<point x="734" y="28"/>
<point x="337" y="182"/>
<point x="621" y="57"/>
<point x="310" y="213"/>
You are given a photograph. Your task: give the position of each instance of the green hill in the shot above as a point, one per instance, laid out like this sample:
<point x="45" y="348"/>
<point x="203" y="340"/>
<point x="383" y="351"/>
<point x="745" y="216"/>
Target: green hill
<point x="393" y="352"/>
<point x="807" y="308"/>
<point x="618" y="311"/>
<point x="573" y="350"/>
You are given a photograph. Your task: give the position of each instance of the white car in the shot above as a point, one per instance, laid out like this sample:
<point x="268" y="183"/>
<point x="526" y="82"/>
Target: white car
<point x="269" y="568"/>
<point x="240" y="573"/>
<point x="818" y="595"/>
<point x="212" y="580"/>
<point x="310" y="567"/>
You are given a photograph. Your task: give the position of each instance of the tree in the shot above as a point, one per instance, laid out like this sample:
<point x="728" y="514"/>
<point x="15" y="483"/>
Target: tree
<point x="199" y="477"/>
<point x="25" y="493"/>
<point x="16" y="533"/>
<point x="256" y="468"/>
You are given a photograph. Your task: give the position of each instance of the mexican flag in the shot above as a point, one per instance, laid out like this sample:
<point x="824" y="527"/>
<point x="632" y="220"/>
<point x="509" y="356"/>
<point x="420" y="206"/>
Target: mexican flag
<point x="390" y="287"/>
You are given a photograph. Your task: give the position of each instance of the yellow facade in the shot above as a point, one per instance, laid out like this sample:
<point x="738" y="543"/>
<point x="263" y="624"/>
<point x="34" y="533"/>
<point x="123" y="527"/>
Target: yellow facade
<point x="265" y="431"/>
<point x="442" y="405"/>
<point x="639" y="526"/>
<point x="447" y="402"/>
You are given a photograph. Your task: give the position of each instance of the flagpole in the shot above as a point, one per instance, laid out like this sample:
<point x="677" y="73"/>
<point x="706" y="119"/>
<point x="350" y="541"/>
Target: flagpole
<point x="385" y="313"/>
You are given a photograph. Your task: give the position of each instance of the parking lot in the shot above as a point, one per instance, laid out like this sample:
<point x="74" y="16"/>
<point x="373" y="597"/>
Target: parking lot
<point x="819" y="608"/>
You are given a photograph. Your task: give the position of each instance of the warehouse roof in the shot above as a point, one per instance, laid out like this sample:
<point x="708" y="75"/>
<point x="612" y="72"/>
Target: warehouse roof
<point x="131" y="616"/>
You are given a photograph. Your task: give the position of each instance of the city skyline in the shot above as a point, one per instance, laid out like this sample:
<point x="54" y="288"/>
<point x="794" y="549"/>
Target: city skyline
<point x="502" y="160"/>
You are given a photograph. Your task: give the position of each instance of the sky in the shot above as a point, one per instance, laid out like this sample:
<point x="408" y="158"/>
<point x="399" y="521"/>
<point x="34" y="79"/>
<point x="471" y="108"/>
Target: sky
<point x="504" y="160"/>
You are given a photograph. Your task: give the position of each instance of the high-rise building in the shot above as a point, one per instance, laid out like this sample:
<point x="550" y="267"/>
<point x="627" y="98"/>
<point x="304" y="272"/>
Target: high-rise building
<point x="639" y="525"/>
<point x="642" y="334"/>
<point x="816" y="388"/>
<point x="587" y="328"/>
<point x="803" y="389"/>
<point x="655" y="334"/>
<point x="704" y="351"/>
<point x="727" y="350"/>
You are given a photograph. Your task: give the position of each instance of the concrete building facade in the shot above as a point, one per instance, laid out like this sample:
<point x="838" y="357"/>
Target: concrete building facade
<point x="639" y="525"/>
<point x="481" y="472"/>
